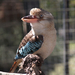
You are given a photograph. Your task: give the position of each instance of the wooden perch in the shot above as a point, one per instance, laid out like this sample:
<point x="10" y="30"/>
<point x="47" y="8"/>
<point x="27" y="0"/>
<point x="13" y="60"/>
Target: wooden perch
<point x="6" y="73"/>
<point x="31" y="65"/>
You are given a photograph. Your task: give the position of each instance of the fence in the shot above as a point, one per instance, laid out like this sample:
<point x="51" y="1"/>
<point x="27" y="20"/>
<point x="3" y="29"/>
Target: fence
<point x="61" y="61"/>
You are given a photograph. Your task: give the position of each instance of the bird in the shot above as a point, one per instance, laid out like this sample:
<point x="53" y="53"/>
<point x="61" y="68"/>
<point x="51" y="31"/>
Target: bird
<point x="40" y="40"/>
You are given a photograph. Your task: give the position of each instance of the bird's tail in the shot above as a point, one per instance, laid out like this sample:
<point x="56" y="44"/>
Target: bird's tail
<point x="14" y="66"/>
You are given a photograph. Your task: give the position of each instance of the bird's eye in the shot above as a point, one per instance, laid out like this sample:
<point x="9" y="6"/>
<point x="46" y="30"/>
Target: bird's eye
<point x="41" y="16"/>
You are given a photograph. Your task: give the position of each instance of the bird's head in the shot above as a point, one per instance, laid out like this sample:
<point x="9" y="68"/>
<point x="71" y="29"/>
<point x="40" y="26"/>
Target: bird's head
<point x="39" y="19"/>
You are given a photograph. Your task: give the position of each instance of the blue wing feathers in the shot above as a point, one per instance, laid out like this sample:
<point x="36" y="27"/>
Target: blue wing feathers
<point x="29" y="48"/>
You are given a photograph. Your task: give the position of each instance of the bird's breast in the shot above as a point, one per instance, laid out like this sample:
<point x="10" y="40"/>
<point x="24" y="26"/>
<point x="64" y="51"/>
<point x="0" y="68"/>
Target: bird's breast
<point x="48" y="45"/>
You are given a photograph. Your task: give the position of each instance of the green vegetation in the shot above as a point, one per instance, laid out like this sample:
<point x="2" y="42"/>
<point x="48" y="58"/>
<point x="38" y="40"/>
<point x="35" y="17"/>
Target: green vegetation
<point x="55" y="63"/>
<point x="11" y="33"/>
<point x="59" y="68"/>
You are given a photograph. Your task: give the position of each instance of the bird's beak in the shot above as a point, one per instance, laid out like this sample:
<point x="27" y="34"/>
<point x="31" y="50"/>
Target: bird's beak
<point x="29" y="19"/>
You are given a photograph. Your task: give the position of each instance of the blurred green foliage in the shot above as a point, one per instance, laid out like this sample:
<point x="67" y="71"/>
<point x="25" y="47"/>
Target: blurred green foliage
<point x="10" y="37"/>
<point x="54" y="65"/>
<point x="11" y="34"/>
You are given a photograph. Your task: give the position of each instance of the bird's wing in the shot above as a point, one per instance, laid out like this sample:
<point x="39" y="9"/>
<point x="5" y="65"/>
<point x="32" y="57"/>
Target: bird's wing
<point x="29" y="45"/>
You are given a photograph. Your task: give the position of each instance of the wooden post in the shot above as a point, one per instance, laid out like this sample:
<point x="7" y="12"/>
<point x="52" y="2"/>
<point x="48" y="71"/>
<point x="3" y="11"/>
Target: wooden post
<point x="31" y="65"/>
<point x="66" y="37"/>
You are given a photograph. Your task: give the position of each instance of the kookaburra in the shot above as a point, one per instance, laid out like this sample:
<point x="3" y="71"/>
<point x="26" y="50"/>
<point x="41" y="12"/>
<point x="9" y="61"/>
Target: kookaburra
<point x="40" y="40"/>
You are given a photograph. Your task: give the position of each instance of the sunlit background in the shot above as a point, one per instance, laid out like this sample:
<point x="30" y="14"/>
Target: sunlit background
<point x="12" y="30"/>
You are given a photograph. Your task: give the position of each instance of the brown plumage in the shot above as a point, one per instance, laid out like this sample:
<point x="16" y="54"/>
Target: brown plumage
<point x="42" y="23"/>
<point x="28" y="37"/>
<point x="14" y="66"/>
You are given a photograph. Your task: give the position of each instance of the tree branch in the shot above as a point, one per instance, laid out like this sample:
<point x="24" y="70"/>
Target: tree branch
<point x="31" y="65"/>
<point x="6" y="73"/>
